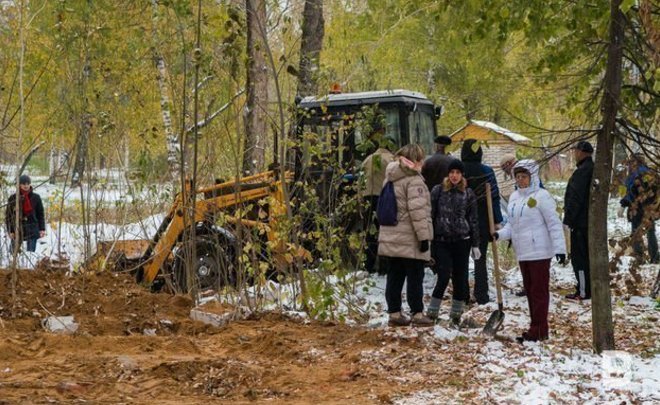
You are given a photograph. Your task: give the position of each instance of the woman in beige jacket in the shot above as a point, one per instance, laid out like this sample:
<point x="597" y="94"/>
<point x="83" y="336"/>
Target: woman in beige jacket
<point x="407" y="243"/>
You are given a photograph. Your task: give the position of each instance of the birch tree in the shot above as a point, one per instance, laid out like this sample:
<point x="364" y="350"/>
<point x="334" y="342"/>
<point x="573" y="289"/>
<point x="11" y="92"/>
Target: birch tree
<point x="171" y="140"/>
<point x="255" y="114"/>
<point x="310" y="47"/>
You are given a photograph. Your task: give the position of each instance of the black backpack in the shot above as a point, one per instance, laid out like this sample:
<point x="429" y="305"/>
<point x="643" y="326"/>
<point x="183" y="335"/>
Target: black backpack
<point x="386" y="210"/>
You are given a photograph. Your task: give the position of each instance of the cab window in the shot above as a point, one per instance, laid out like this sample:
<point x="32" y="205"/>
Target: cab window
<point x="421" y="128"/>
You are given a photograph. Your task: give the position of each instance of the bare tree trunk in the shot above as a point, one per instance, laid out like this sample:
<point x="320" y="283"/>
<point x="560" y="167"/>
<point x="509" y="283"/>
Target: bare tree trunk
<point x="82" y="146"/>
<point x="171" y="140"/>
<point x="602" y="326"/>
<point x="256" y="118"/>
<point x="311" y="44"/>
<point x="310" y="47"/>
<point x="58" y="160"/>
<point x="18" y="236"/>
<point x="82" y="142"/>
<point x="127" y="159"/>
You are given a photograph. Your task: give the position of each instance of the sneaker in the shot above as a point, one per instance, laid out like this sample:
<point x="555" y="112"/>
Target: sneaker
<point x="433" y="313"/>
<point x="526" y="337"/>
<point x="577" y="297"/>
<point x="398" y="319"/>
<point x="420" y="319"/>
<point x="521" y="293"/>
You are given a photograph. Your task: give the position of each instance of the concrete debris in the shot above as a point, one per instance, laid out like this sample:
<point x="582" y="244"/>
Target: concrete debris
<point x="149" y="332"/>
<point x="60" y="324"/>
<point x="208" y="318"/>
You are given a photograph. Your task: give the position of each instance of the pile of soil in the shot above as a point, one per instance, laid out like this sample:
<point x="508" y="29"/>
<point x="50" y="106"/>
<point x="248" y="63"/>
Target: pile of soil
<point x="139" y="347"/>
<point x="103" y="304"/>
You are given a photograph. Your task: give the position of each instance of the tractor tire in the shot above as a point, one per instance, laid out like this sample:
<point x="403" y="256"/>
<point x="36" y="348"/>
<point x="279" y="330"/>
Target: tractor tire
<point x="213" y="267"/>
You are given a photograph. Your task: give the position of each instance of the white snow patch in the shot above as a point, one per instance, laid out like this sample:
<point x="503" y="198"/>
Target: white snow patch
<point x="446" y="334"/>
<point x="641" y="301"/>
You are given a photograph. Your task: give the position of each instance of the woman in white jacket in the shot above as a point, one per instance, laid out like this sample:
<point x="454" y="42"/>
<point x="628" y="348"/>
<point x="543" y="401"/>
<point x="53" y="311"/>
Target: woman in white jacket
<point x="537" y="235"/>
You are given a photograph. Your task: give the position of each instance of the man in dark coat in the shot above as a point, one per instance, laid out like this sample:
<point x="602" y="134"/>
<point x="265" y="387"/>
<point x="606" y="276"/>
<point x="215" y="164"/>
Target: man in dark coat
<point x="31" y="216"/>
<point x="436" y="167"/>
<point x="576" y="217"/>
<point x="477" y="175"/>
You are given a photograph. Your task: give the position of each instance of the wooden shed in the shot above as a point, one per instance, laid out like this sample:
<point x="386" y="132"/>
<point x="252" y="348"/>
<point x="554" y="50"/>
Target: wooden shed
<point x="495" y="142"/>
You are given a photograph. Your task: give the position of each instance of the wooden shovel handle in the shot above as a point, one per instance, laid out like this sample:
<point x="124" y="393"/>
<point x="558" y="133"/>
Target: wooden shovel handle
<point x="496" y="259"/>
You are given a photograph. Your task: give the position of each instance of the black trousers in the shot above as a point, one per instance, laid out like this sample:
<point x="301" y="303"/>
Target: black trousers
<point x="451" y="261"/>
<point x="481" y="273"/>
<point x="400" y="269"/>
<point x="580" y="261"/>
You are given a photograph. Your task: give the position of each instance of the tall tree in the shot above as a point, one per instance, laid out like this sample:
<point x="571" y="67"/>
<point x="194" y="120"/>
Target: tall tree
<point x="84" y="117"/>
<point x="256" y="115"/>
<point x="603" y="330"/>
<point x="171" y="139"/>
<point x="310" y="47"/>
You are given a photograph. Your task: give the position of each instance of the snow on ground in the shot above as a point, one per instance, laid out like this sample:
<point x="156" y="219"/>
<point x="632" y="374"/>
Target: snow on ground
<point x="553" y="371"/>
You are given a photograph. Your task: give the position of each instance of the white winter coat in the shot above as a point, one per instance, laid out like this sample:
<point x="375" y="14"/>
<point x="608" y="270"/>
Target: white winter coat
<point x="533" y="227"/>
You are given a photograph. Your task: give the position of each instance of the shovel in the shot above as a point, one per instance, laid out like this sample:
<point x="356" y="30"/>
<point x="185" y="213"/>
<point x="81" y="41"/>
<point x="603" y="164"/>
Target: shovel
<point x="497" y="317"/>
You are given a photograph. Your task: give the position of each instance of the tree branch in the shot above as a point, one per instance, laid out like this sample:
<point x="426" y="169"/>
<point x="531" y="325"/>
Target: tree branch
<point x="201" y="124"/>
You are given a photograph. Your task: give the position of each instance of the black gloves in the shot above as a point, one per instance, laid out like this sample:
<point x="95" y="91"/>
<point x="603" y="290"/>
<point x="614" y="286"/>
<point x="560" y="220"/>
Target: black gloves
<point x="561" y="258"/>
<point x="424" y="246"/>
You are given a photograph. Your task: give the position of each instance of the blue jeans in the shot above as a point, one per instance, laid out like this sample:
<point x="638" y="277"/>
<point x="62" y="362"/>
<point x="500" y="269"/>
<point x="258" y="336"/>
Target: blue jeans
<point x="31" y="245"/>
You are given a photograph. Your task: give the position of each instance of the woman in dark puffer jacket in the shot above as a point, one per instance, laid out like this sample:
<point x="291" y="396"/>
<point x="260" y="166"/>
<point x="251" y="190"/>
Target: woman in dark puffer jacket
<point x="455" y="235"/>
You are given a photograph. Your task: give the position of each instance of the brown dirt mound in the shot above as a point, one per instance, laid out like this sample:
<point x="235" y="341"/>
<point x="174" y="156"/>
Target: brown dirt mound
<point x="110" y="359"/>
<point x="102" y="304"/>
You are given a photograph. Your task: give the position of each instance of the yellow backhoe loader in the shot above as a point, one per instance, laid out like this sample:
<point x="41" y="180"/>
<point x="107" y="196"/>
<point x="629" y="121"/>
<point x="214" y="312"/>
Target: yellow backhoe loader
<point x="162" y="258"/>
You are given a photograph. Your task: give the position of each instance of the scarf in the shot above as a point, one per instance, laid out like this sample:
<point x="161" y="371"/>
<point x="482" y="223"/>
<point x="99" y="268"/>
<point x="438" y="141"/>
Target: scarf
<point x="27" y="204"/>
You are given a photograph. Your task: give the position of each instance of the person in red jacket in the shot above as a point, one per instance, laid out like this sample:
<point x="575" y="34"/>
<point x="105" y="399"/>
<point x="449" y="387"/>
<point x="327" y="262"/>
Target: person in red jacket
<point x="31" y="216"/>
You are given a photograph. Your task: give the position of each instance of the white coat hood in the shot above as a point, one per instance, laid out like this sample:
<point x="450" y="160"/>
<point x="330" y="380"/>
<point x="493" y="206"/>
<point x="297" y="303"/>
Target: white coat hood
<point x="533" y="168"/>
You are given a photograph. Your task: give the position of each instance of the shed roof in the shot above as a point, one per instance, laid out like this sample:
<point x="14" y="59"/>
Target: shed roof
<point x="515" y="137"/>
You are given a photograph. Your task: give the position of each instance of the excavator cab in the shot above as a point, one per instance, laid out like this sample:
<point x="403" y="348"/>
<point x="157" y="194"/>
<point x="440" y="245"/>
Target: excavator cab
<point x="340" y="121"/>
<point x="335" y="134"/>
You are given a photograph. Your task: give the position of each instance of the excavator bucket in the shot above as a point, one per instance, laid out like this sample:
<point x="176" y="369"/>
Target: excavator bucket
<point x="118" y="255"/>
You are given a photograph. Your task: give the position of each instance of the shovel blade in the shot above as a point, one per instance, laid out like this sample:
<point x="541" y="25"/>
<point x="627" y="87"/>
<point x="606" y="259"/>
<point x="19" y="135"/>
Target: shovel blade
<point x="494" y="323"/>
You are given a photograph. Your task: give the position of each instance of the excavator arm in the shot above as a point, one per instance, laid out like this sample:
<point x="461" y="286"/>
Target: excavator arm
<point x="210" y="201"/>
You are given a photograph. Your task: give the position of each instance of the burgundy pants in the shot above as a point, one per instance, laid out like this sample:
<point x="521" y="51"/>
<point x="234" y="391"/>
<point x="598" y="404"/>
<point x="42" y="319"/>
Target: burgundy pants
<point x="536" y="279"/>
